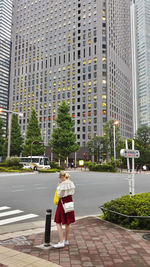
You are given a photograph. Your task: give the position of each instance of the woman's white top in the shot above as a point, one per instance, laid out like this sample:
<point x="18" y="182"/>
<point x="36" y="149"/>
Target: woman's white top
<point x="65" y="189"/>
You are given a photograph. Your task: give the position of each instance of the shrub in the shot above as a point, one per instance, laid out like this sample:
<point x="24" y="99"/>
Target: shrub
<point x="117" y="163"/>
<point x="13" y="162"/>
<point x="8" y="169"/>
<point x="137" y="205"/>
<point x="54" y="165"/>
<point x="101" y="167"/>
<point x="3" y="164"/>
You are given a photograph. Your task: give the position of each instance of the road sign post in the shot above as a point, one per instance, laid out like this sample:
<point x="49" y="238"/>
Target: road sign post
<point x="133" y="174"/>
<point x="130" y="153"/>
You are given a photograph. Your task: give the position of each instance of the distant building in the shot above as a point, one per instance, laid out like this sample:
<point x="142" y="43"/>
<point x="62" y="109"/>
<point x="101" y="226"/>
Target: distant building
<point x="77" y="51"/>
<point x="5" y="48"/>
<point x="143" y="61"/>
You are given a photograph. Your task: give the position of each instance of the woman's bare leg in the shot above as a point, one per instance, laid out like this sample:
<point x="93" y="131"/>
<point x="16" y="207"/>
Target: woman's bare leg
<point x="67" y="231"/>
<point x="60" y="232"/>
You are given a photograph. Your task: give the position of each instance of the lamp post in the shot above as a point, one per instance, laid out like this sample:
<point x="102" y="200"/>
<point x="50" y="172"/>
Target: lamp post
<point x="32" y="146"/>
<point x="10" y="112"/>
<point x="114" y="131"/>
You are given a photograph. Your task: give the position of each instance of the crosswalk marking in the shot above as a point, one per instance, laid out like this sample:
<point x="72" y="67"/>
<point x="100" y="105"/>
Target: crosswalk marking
<point x="17" y="219"/>
<point x="11" y="215"/>
<point x="12" y="212"/>
<point x="4" y="208"/>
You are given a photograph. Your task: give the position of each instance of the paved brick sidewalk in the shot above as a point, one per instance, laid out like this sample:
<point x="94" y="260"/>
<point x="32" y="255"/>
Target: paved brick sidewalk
<point x="92" y="243"/>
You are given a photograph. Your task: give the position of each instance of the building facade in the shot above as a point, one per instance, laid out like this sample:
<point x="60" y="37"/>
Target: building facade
<point x="77" y="51"/>
<point x="143" y="61"/>
<point x="5" y="49"/>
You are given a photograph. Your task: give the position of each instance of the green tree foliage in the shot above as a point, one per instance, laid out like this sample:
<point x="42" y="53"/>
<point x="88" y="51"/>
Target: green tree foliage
<point x="142" y="143"/>
<point x="16" y="138"/>
<point x="1" y="137"/>
<point x="33" y="134"/>
<point x="109" y="139"/>
<point x="143" y="136"/>
<point x="95" y="147"/>
<point x="63" y="140"/>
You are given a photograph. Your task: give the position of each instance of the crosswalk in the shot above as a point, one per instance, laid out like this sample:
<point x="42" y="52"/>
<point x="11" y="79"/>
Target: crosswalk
<point x="8" y="216"/>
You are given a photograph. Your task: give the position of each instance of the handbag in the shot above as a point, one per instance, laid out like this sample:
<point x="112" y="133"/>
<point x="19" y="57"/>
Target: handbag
<point x="68" y="207"/>
<point x="56" y="198"/>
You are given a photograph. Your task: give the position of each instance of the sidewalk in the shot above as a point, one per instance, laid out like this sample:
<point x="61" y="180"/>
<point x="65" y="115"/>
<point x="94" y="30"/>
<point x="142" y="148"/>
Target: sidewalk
<point x="93" y="242"/>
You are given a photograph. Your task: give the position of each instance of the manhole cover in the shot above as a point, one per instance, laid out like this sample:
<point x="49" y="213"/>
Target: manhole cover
<point x="147" y="237"/>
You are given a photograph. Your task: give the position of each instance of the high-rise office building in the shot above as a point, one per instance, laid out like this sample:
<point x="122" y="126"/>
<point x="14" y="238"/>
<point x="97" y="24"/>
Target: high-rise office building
<point x="77" y="51"/>
<point x="143" y="61"/>
<point x="5" y="48"/>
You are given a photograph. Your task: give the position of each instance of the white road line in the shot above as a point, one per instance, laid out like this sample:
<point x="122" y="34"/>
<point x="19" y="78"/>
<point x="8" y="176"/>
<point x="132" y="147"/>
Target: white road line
<point x="4" y="208"/>
<point x="18" y="218"/>
<point x="18" y="186"/>
<point x="17" y="190"/>
<point x="12" y="212"/>
<point x="40" y="188"/>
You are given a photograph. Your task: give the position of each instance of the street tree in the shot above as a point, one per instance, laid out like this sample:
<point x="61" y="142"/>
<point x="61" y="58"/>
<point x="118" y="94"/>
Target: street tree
<point x="96" y="147"/>
<point x="1" y="138"/>
<point x="63" y="141"/>
<point x="33" y="138"/>
<point x="109" y="139"/>
<point x="142" y="143"/>
<point x="16" y="138"/>
<point x="143" y="136"/>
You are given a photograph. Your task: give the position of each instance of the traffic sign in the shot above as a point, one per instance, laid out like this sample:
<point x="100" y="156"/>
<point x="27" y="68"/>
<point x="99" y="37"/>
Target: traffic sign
<point x="129" y="153"/>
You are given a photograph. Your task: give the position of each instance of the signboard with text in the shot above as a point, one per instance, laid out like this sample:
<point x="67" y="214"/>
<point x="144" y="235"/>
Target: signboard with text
<point x="129" y="153"/>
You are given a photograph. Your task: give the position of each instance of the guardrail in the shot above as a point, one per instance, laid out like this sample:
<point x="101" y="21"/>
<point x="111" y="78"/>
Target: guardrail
<point x="124" y="215"/>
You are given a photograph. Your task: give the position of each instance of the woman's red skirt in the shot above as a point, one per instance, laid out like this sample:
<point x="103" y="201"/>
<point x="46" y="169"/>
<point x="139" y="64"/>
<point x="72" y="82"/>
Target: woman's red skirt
<point x="61" y="216"/>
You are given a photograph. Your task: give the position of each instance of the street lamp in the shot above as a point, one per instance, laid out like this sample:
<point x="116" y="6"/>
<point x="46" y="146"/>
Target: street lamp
<point x="32" y="146"/>
<point x="114" y="130"/>
<point x="9" y="125"/>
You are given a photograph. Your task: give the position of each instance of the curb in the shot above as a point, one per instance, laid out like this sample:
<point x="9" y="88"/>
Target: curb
<point x="10" y="257"/>
<point x="125" y="229"/>
<point x="37" y="227"/>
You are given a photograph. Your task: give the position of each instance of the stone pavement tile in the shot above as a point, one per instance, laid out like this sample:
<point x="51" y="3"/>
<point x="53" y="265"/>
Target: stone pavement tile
<point x="92" y="243"/>
<point x="108" y="263"/>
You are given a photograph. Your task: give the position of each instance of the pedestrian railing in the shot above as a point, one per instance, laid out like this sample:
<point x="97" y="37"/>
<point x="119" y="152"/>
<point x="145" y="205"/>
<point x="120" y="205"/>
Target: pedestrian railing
<point x="122" y="214"/>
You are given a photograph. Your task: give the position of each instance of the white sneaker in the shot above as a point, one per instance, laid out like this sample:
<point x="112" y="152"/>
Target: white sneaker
<point x="59" y="245"/>
<point x="66" y="242"/>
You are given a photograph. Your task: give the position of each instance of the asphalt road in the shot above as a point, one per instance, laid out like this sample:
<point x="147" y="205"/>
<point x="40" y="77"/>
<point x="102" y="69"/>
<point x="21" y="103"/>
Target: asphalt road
<point x="33" y="193"/>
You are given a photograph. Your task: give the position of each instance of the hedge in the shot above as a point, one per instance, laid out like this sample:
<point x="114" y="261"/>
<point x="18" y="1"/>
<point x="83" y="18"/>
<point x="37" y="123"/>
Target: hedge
<point x="14" y="169"/>
<point x="137" y="205"/>
<point x="12" y="162"/>
<point x="101" y="167"/>
<point x="54" y="165"/>
<point x="5" y="169"/>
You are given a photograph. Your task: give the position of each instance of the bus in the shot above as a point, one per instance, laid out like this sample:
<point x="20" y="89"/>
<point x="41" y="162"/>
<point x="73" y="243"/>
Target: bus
<point x="35" y="163"/>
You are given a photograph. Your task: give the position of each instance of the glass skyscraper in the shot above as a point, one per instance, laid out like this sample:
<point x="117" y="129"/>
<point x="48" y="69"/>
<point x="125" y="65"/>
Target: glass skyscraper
<point x="77" y="51"/>
<point x="143" y="60"/>
<point x="5" y="48"/>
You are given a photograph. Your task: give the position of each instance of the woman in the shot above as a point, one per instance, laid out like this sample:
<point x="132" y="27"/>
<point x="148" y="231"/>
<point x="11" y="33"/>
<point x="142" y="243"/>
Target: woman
<point x="65" y="190"/>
